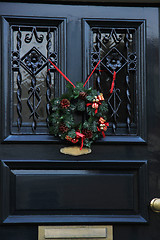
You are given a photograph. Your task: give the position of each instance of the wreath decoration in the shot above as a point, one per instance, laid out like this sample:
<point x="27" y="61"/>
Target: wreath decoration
<point x="87" y="104"/>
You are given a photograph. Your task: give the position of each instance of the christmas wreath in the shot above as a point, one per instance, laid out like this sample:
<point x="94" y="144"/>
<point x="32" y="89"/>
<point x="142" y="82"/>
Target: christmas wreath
<point x="79" y="115"/>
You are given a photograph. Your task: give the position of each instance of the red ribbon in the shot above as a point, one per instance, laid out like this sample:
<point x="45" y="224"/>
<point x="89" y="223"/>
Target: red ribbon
<point x="78" y="134"/>
<point x="96" y="110"/>
<point x="61" y="73"/>
<point x="88" y="104"/>
<point x="112" y="86"/>
<point x="91" y="73"/>
<point x="99" y="130"/>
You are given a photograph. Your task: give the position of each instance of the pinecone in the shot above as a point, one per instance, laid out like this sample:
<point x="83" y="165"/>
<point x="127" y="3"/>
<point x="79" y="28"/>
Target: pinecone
<point x="63" y="128"/>
<point x="87" y="133"/>
<point x="65" y="103"/>
<point x="82" y="95"/>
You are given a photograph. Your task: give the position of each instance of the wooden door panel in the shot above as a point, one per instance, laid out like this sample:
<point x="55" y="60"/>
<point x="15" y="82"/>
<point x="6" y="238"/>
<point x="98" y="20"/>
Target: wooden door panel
<point x="94" y="191"/>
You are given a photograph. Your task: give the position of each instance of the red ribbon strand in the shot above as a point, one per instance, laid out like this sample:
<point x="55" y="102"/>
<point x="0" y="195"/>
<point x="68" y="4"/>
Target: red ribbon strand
<point x="91" y="73"/>
<point x="99" y="130"/>
<point x="82" y="138"/>
<point x="112" y="86"/>
<point x="61" y="73"/>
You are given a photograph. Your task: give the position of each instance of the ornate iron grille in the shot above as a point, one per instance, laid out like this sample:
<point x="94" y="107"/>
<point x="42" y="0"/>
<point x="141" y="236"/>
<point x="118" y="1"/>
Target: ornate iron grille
<point x="33" y="76"/>
<point x="116" y="48"/>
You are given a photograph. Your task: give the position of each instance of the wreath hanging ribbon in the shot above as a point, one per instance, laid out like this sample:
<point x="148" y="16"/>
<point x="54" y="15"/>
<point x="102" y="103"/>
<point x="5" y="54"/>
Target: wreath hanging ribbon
<point x="113" y="82"/>
<point x="82" y="138"/>
<point x="68" y="78"/>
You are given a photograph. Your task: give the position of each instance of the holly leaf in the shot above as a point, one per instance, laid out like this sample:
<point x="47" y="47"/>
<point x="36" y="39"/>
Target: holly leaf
<point x="54" y="108"/>
<point x="86" y="125"/>
<point x="94" y="93"/>
<point x="89" y="90"/>
<point x="87" y="143"/>
<point x="79" y="86"/>
<point x="67" y="96"/>
<point x="69" y="122"/>
<point x="54" y="117"/>
<point x="94" y="126"/>
<point x="69" y="87"/>
<point x="76" y="93"/>
<point x="103" y="107"/>
<point x="89" y="98"/>
<point x="81" y="105"/>
<point x="95" y="136"/>
<point x="91" y="111"/>
<point x="55" y="101"/>
<point x="72" y="107"/>
<point x="54" y="129"/>
<point x="72" y="133"/>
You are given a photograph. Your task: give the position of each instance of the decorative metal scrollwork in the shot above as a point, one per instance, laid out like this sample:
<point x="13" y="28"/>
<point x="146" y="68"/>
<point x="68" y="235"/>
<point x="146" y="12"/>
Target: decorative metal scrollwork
<point x="16" y="67"/>
<point x="132" y="61"/>
<point x="34" y="94"/>
<point x="115" y="106"/>
<point x="128" y="104"/>
<point x="113" y="35"/>
<point x="114" y="61"/>
<point x="33" y="61"/>
<point x="28" y="37"/>
<point x="48" y="77"/>
<point x="114" y="47"/>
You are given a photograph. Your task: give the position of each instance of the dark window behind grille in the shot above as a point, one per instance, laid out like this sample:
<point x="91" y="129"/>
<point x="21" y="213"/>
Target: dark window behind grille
<point x="30" y="83"/>
<point x="117" y="44"/>
<point x="117" y="51"/>
<point x="35" y="81"/>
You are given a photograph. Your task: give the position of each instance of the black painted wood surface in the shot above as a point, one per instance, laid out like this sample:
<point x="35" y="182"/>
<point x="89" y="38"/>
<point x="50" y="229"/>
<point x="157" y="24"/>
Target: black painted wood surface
<point x="117" y="167"/>
<point x="85" y="191"/>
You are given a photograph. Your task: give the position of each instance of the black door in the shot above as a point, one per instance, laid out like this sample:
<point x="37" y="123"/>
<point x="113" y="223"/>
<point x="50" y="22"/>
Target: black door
<point x="116" y="182"/>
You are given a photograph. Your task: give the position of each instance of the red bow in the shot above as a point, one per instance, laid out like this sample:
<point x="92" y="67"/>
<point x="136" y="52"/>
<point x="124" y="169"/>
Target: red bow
<point x="98" y="103"/>
<point x="100" y="130"/>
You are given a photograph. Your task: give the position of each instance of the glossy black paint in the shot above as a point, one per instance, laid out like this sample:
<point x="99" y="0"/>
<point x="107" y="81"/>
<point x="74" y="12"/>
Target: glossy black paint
<point x="83" y="191"/>
<point x="18" y="62"/>
<point x="23" y="153"/>
<point x="125" y="92"/>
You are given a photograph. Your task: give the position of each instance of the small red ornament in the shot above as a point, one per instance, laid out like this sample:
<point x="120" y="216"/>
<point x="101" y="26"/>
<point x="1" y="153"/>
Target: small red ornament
<point x="65" y="103"/>
<point x="102" y="126"/>
<point x="68" y="138"/>
<point x="102" y="120"/>
<point x="100" y="97"/>
<point x="95" y="105"/>
<point x="74" y="140"/>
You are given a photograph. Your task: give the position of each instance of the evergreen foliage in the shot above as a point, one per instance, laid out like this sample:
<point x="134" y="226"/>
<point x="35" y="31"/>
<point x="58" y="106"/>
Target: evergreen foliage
<point x="81" y="107"/>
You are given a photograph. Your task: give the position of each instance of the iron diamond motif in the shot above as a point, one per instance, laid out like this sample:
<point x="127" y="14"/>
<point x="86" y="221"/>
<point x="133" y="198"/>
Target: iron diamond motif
<point x="114" y="61"/>
<point x="116" y="102"/>
<point x="33" y="61"/>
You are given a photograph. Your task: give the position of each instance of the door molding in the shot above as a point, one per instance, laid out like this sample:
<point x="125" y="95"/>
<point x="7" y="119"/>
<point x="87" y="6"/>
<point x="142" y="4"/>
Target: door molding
<point x="74" y="192"/>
